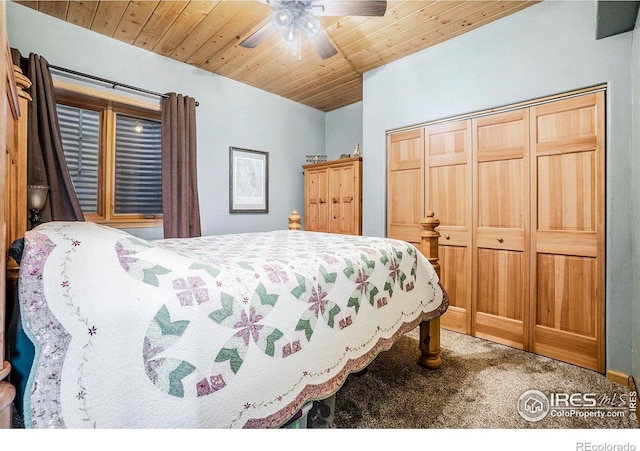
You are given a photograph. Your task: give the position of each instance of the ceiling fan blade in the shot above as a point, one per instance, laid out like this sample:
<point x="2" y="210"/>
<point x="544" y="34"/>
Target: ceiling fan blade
<point x="349" y="8"/>
<point x="260" y="35"/>
<point x="323" y="46"/>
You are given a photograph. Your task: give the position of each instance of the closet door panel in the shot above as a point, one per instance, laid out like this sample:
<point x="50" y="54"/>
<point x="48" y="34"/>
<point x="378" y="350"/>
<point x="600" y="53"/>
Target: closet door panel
<point x="500" y="201"/>
<point x="448" y="187"/>
<point x="567" y="192"/>
<point x="567" y="299"/>
<point x="404" y="211"/>
<point x="405" y="185"/>
<point x="500" y="291"/>
<point x="500" y="228"/>
<point x="454" y="261"/>
<point x="568" y="223"/>
<point x="510" y="331"/>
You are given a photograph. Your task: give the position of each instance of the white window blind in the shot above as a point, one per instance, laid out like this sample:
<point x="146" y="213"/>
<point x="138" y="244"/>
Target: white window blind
<point x="80" y="129"/>
<point x="138" y="169"/>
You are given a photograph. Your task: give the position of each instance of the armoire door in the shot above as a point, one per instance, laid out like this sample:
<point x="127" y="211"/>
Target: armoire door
<point x="500" y="294"/>
<point x="344" y="199"/>
<point x="317" y="203"/>
<point x="568" y="217"/>
<point x="405" y="185"/>
<point x="448" y="188"/>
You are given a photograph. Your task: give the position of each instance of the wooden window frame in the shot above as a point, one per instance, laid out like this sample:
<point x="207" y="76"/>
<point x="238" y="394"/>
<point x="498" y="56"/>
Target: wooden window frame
<point x="108" y="105"/>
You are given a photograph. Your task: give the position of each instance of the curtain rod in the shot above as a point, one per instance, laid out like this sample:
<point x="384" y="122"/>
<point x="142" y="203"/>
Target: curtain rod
<point x="109" y="82"/>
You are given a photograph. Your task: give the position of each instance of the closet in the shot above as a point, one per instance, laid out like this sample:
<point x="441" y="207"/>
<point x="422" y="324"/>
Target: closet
<point x="333" y="196"/>
<point x="519" y="192"/>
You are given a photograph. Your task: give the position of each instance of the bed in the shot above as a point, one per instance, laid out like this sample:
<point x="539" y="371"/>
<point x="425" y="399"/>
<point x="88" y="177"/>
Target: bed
<point x="230" y="331"/>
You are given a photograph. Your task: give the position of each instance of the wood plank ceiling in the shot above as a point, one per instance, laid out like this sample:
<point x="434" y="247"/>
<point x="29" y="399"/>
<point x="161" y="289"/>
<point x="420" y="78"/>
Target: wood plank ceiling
<point x="207" y="34"/>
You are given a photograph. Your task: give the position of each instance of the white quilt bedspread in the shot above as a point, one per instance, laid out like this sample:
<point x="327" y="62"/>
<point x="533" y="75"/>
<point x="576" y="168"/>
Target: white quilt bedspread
<point x="223" y="331"/>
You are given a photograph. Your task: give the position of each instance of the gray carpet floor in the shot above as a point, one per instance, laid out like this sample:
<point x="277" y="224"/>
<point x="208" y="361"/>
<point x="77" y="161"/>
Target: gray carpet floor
<point x="478" y="386"/>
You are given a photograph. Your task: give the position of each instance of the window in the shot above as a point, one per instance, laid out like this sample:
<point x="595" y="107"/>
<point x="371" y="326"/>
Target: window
<point x="113" y="151"/>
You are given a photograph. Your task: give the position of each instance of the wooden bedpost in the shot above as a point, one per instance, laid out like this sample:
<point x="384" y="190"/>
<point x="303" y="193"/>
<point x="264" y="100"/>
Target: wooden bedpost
<point x="294" y="220"/>
<point x="430" y="330"/>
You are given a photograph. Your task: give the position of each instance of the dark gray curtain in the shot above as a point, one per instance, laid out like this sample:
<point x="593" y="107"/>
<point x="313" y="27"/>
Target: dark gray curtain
<point x="46" y="164"/>
<point x="180" y="206"/>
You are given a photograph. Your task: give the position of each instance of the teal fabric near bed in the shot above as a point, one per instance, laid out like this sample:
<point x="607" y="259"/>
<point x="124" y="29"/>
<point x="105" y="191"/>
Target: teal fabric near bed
<point x="21" y="358"/>
<point x="19" y="348"/>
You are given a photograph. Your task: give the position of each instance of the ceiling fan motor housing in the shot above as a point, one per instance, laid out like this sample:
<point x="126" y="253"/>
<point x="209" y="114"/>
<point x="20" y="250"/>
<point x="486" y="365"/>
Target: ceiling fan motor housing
<point x="292" y="16"/>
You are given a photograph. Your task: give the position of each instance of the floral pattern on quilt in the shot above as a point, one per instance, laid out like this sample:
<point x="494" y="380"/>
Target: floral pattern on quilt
<point x="245" y="327"/>
<point x="163" y="333"/>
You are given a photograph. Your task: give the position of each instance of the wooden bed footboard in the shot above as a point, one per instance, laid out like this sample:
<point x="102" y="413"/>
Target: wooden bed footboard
<point x="429" y="330"/>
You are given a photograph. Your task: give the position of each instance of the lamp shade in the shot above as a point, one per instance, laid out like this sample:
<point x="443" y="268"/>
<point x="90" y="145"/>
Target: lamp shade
<point x="37" y="196"/>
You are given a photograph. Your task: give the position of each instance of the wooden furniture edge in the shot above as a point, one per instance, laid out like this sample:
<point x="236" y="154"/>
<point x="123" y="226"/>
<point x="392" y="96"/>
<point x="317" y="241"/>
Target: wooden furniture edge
<point x="331" y="162"/>
<point x="14" y="193"/>
<point x="619" y="378"/>
<point x="626" y="380"/>
<point x="7" y="395"/>
<point x="294" y="221"/>
<point x="429" y="330"/>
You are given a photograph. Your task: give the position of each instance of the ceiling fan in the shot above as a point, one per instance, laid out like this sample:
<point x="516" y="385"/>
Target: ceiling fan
<point x="295" y="18"/>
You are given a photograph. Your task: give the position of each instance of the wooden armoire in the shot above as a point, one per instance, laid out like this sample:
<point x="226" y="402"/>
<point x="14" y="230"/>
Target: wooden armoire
<point x="333" y="196"/>
<point x="520" y="195"/>
<point x="13" y="192"/>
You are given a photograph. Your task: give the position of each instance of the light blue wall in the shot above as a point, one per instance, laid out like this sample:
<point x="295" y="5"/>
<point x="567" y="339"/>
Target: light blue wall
<point x="230" y="114"/>
<point x="344" y="131"/>
<point x="545" y="49"/>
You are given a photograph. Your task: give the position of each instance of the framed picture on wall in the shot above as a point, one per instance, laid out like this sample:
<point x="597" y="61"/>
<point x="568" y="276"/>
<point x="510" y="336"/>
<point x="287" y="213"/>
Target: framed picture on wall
<point x="248" y="181"/>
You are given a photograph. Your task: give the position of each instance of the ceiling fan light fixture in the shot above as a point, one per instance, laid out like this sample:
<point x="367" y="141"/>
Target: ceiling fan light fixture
<point x="291" y="34"/>
<point x="309" y="24"/>
<point x="282" y="18"/>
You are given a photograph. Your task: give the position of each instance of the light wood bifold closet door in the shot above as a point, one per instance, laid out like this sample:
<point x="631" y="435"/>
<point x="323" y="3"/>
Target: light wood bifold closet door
<point x="448" y="187"/>
<point x="501" y="227"/>
<point x="520" y="195"/>
<point x="405" y="185"/>
<point x="568" y="210"/>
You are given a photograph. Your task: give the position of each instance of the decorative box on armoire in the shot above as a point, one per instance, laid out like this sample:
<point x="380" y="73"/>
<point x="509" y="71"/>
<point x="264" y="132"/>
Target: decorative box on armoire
<point x="333" y="196"/>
